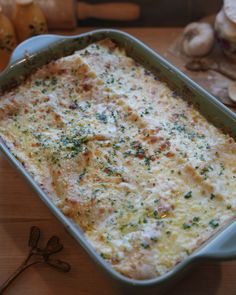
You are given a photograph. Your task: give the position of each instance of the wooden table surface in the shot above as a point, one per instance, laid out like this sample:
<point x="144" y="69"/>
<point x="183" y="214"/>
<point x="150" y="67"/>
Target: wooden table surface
<point x="20" y="208"/>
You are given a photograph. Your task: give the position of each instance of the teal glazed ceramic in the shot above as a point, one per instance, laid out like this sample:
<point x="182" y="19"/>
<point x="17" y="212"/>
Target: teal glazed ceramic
<point x="35" y="52"/>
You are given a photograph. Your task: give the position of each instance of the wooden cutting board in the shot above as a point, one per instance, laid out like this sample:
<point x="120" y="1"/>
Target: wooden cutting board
<point x="20" y="208"/>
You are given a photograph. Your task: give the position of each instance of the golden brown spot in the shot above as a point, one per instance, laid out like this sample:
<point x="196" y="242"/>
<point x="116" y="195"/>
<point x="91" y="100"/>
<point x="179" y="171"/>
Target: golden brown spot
<point x="169" y="155"/>
<point x="87" y="87"/>
<point x="153" y="139"/>
<point x="35" y="144"/>
<point x="101" y="210"/>
<point x="164" y="146"/>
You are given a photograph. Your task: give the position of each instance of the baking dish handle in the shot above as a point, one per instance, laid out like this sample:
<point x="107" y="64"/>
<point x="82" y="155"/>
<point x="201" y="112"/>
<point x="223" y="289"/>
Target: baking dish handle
<point x="222" y="247"/>
<point x="32" y="45"/>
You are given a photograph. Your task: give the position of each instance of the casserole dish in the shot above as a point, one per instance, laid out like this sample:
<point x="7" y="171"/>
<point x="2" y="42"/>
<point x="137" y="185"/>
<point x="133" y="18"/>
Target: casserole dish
<point x="45" y="48"/>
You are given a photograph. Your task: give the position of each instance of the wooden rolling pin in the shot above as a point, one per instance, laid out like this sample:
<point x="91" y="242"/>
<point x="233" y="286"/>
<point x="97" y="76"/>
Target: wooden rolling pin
<point x="61" y="14"/>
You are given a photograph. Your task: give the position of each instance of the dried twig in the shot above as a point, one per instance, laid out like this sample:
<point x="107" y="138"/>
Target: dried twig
<point x="38" y="255"/>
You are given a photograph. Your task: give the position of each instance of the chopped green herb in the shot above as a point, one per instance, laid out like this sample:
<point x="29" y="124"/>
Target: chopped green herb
<point x="196" y="219"/>
<point x="154" y="239"/>
<point x="147" y="161"/>
<point x="116" y="146"/>
<point x="110" y="80"/>
<point x="38" y="82"/>
<point x="82" y="175"/>
<point x="145" y="245"/>
<point x="187" y="226"/>
<point x="222" y="168"/>
<point x="155" y="214"/>
<point x="145" y="220"/>
<point x="102" y="118"/>
<point x="122" y="128"/>
<point x="188" y="195"/>
<point x="53" y="81"/>
<point x="212" y="196"/>
<point x="214" y="223"/>
<point x="103" y="255"/>
<point x="204" y="172"/>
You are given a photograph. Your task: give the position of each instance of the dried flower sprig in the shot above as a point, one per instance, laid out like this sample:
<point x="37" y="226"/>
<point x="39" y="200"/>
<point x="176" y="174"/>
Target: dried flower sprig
<point x="39" y="255"/>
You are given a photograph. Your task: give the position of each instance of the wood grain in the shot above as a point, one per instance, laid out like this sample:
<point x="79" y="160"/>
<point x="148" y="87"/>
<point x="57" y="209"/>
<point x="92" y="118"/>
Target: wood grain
<point x="20" y="208"/>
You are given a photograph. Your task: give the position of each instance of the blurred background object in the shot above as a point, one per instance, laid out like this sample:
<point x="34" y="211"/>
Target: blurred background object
<point x="225" y="27"/>
<point x="198" y="39"/>
<point x="119" y="11"/>
<point x="7" y="39"/>
<point x="163" y="13"/>
<point x="28" y="19"/>
<point x="166" y="13"/>
<point x="61" y="14"/>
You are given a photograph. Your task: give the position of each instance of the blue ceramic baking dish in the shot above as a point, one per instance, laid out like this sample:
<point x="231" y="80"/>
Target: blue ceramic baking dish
<point x="35" y="52"/>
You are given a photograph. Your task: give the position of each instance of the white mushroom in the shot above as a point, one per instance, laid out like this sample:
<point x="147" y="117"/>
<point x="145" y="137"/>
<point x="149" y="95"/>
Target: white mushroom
<point x="224" y="27"/>
<point x="198" y="39"/>
<point x="226" y="34"/>
<point x="230" y="10"/>
<point x="232" y="91"/>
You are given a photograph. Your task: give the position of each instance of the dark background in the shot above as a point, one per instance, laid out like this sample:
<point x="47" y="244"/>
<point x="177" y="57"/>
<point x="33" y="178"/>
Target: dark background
<point x="162" y="12"/>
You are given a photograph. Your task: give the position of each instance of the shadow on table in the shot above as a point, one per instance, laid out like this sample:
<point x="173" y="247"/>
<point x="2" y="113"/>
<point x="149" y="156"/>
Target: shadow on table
<point x="204" y="279"/>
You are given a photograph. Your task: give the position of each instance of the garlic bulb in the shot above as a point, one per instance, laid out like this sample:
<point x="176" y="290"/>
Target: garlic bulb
<point x="198" y="39"/>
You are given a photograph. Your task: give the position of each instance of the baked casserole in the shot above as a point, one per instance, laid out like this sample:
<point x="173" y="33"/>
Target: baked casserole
<point x="145" y="176"/>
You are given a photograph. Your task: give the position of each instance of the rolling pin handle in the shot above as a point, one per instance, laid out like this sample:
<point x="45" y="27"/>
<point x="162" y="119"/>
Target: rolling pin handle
<point x="108" y="11"/>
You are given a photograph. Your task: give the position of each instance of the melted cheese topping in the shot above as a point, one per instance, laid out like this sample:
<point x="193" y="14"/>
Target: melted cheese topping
<point x="145" y="176"/>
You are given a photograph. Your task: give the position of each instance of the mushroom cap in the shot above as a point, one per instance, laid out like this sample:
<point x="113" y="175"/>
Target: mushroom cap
<point x="198" y="39"/>
<point x="224" y="26"/>
<point x="232" y="91"/>
<point x="230" y="10"/>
